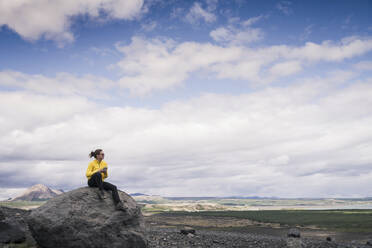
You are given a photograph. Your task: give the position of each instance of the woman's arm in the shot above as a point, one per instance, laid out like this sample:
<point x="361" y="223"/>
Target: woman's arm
<point x="90" y="171"/>
<point x="105" y="174"/>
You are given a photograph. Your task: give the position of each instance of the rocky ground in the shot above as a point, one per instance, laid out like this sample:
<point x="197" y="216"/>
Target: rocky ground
<point x="164" y="231"/>
<point x="165" y="237"/>
<point x="171" y="237"/>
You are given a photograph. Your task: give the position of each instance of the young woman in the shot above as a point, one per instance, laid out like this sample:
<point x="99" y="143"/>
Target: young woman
<point x="96" y="174"/>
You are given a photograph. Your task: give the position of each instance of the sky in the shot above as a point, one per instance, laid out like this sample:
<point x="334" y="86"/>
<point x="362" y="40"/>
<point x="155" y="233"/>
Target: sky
<point x="188" y="98"/>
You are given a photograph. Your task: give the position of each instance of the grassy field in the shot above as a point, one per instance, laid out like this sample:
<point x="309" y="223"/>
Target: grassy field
<point x="21" y="204"/>
<point x="337" y="220"/>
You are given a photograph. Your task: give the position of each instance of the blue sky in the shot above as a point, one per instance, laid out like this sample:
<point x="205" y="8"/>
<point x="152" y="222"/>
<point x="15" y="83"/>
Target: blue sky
<point x="188" y="98"/>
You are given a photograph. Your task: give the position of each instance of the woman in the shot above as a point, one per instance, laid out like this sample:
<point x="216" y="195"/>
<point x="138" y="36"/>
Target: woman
<point x="96" y="174"/>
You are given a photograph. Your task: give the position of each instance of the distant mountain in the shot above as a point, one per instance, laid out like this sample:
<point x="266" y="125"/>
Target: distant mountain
<point x="38" y="192"/>
<point x="197" y="198"/>
<point x="137" y="194"/>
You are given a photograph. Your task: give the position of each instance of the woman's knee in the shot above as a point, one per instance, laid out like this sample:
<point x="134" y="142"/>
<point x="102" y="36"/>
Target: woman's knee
<point x="97" y="174"/>
<point x="109" y="186"/>
<point x="113" y="187"/>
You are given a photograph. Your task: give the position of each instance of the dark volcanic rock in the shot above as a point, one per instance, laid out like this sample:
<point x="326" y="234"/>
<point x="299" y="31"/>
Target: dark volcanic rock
<point x="79" y="219"/>
<point x="187" y="230"/>
<point x="13" y="227"/>
<point x="11" y="234"/>
<point x="294" y="233"/>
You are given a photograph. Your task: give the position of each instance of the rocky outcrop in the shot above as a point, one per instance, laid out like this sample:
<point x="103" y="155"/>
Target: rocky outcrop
<point x="11" y="234"/>
<point x="79" y="218"/>
<point x="13" y="228"/>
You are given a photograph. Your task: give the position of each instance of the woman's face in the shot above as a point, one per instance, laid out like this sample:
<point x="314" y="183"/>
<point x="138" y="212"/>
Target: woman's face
<point x="101" y="155"/>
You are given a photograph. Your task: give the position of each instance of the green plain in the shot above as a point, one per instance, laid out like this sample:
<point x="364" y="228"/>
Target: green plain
<point x="350" y="220"/>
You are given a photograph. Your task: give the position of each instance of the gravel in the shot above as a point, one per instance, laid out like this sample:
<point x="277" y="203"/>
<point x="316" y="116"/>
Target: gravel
<point x="165" y="237"/>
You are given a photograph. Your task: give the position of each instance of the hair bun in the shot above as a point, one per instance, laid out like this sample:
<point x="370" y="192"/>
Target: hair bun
<point x="95" y="153"/>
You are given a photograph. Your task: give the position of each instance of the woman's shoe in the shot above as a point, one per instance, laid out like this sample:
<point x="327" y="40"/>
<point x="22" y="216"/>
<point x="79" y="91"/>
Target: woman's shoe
<point x="120" y="207"/>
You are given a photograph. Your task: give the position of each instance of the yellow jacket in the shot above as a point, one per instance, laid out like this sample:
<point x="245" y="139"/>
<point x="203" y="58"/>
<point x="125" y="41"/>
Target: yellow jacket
<point x="94" y="166"/>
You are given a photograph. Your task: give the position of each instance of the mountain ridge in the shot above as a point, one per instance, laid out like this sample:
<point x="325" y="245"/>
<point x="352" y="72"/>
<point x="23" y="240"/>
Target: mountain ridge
<point x="38" y="192"/>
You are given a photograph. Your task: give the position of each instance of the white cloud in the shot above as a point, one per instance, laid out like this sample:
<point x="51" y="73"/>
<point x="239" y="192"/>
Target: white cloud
<point x="52" y="19"/>
<point x="280" y="160"/>
<point x="221" y="34"/>
<point x="23" y="111"/>
<point x="156" y="64"/>
<point x="253" y="20"/>
<point x="364" y="66"/>
<point x="285" y="68"/>
<point x="234" y="36"/>
<point x="238" y="33"/>
<point x="197" y="13"/>
<point x="6" y="193"/>
<point x="61" y="84"/>
<point x="297" y="140"/>
<point x="161" y="64"/>
<point x="328" y="51"/>
<point x="307" y="32"/>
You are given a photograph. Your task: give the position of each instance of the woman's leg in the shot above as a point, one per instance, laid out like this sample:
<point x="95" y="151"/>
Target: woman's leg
<point x="113" y="188"/>
<point x="96" y="181"/>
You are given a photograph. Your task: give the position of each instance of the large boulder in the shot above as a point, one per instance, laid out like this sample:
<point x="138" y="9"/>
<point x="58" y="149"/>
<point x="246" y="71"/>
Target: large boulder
<point x="79" y="218"/>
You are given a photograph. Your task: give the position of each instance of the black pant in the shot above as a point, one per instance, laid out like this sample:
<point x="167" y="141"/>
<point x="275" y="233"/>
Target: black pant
<point x="96" y="181"/>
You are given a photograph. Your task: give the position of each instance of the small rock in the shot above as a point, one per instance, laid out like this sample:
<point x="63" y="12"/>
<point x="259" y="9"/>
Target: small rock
<point x="329" y="238"/>
<point x="190" y="235"/>
<point x="187" y="230"/>
<point x="294" y="233"/>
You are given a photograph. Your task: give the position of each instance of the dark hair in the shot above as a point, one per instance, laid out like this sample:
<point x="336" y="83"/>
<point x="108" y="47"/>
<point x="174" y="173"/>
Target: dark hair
<point x="95" y="153"/>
